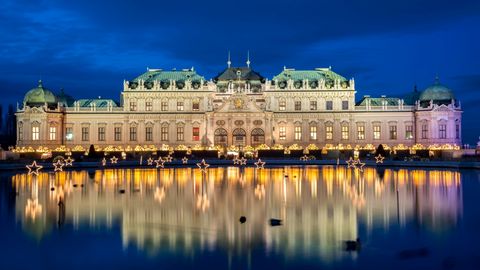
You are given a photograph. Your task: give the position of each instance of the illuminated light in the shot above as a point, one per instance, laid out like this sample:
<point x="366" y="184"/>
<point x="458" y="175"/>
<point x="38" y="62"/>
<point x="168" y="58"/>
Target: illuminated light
<point x="159" y="194"/>
<point x="203" y="166"/>
<point x="78" y="148"/>
<point x="242" y="161"/>
<point x="262" y="147"/>
<point x="259" y="191"/>
<point x="184" y="160"/>
<point x="379" y="159"/>
<point x="295" y="147"/>
<point x="34" y="168"/>
<point x="236" y="160"/>
<point x="304" y="158"/>
<point x="181" y="147"/>
<point x="360" y="165"/>
<point x="198" y="147"/>
<point x="33" y="209"/>
<point x="351" y="162"/>
<point x="312" y="146"/>
<point x="104" y="161"/>
<point x="203" y="202"/>
<point x="168" y="158"/>
<point x="69" y="161"/>
<point x="277" y="147"/>
<point x="113" y="160"/>
<point x="160" y="163"/>
<point x="58" y="166"/>
<point x="150" y="161"/>
<point x="260" y="164"/>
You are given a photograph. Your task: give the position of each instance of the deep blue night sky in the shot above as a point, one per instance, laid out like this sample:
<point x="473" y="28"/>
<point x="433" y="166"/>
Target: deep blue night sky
<point x="89" y="47"/>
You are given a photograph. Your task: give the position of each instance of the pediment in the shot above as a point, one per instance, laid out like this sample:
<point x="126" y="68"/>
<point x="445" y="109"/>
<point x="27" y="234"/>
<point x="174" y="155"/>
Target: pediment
<point x="239" y="103"/>
<point x="442" y="108"/>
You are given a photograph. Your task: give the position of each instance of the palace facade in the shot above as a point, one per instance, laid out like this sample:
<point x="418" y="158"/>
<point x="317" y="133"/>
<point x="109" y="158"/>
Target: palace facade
<point x="239" y="107"/>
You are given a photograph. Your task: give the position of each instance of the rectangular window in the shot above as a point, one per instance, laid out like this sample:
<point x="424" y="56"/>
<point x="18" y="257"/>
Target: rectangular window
<point x="457" y="131"/>
<point x="69" y="134"/>
<point x="180" y="133"/>
<point x="329" y="105"/>
<point x="117" y="132"/>
<point x="164" y="133"/>
<point x="20" y="132"/>
<point x="424" y="131"/>
<point x="133" y="105"/>
<point x="133" y="133"/>
<point x="148" y="134"/>
<point x="344" y="132"/>
<point x="409" y="132"/>
<point x="101" y="133"/>
<point x="179" y="105"/>
<point x="344" y="105"/>
<point x="298" y="133"/>
<point x="196" y="133"/>
<point x="196" y="105"/>
<point x="313" y="133"/>
<point x="282" y="105"/>
<point x="35" y="133"/>
<point x="393" y="132"/>
<point x="53" y="133"/>
<point x="442" y="132"/>
<point x="148" y="106"/>
<point x="85" y="133"/>
<point x="298" y="105"/>
<point x="361" y="132"/>
<point x="282" y="133"/>
<point x="329" y="132"/>
<point x="376" y="132"/>
<point x="313" y="105"/>
<point x="164" y="106"/>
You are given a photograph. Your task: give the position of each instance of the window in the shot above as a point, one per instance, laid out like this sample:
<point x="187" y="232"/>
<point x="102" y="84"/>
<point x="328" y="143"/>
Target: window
<point x="457" y="131"/>
<point x="393" y="132"/>
<point x="148" y="134"/>
<point x="101" y="133"/>
<point x="35" y="133"/>
<point x="196" y="105"/>
<point x="258" y="136"/>
<point x="196" y="133"/>
<point x="313" y="133"/>
<point x="69" y="134"/>
<point x="409" y="132"/>
<point x="376" y="132"/>
<point x="133" y="105"/>
<point x="344" y="104"/>
<point x="361" y="132"/>
<point x="164" y="106"/>
<point x="442" y="131"/>
<point x="282" y="104"/>
<point x="20" y="131"/>
<point x="164" y="133"/>
<point x="344" y="132"/>
<point x="117" y="133"/>
<point x="329" y="105"/>
<point x="133" y="133"/>
<point x="148" y="106"/>
<point x="282" y="133"/>
<point x="424" y="131"/>
<point x="313" y="105"/>
<point x="298" y="105"/>
<point x="85" y="133"/>
<point x="179" y="105"/>
<point x="180" y="133"/>
<point x="53" y="133"/>
<point x="298" y="133"/>
<point x="329" y="132"/>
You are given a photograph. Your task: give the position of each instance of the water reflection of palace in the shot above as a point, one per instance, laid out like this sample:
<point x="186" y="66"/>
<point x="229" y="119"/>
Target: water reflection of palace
<point x="182" y="210"/>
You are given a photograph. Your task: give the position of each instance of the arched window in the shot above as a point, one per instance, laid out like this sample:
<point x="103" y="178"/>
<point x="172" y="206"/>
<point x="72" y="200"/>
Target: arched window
<point x="220" y="136"/>
<point x="239" y="135"/>
<point x="258" y="136"/>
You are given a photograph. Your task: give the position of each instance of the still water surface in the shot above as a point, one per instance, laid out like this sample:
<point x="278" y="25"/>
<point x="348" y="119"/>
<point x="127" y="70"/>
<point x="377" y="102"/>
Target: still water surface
<point x="180" y="218"/>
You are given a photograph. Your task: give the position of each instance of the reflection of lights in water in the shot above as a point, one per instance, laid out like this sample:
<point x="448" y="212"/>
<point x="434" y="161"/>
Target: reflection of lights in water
<point x="33" y="209"/>
<point x="259" y="191"/>
<point x="203" y="203"/>
<point x="159" y="194"/>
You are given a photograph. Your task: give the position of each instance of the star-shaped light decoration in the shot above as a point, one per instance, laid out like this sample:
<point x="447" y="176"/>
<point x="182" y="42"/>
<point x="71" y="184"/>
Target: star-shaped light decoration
<point x="34" y="168"/>
<point x="168" y="158"/>
<point x="159" y="194"/>
<point x="184" y="160"/>
<point x="69" y="161"/>
<point x="351" y="163"/>
<point x="203" y="166"/>
<point x="114" y="160"/>
<point x="58" y="166"/>
<point x="242" y="161"/>
<point x="304" y="158"/>
<point x="236" y="160"/>
<point x="260" y="164"/>
<point x="150" y="161"/>
<point x="360" y="165"/>
<point x="160" y="163"/>
<point x="379" y="159"/>
<point x="104" y="161"/>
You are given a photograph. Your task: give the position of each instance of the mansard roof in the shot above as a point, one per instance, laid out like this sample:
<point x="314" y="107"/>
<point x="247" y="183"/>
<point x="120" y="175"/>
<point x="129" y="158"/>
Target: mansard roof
<point x="317" y="74"/>
<point x="235" y="73"/>
<point x="98" y="102"/>
<point x="169" y="75"/>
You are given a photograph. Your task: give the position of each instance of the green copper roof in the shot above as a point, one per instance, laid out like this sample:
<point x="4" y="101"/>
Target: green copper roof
<point x="437" y="92"/>
<point x="99" y="102"/>
<point x="378" y="101"/>
<point x="174" y="75"/>
<point x="312" y="75"/>
<point x="39" y="96"/>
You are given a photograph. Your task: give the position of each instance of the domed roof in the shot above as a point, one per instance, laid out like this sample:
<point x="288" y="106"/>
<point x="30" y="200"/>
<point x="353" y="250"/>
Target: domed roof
<point x="437" y="92"/>
<point x="39" y="96"/>
<point x="65" y="98"/>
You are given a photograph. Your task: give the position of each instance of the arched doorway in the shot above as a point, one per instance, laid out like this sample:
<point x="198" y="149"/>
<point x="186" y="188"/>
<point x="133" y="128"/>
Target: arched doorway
<point x="239" y="136"/>
<point x="258" y="136"/>
<point x="220" y="137"/>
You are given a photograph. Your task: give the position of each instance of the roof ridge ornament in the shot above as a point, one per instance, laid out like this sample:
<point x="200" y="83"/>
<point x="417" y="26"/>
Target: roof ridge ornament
<point x="40" y="84"/>
<point x="248" y="59"/>
<point x="229" y="63"/>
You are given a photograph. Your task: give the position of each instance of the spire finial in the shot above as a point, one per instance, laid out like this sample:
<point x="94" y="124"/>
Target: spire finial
<point x="40" y="85"/>
<point x="248" y="59"/>
<point x="229" y="63"/>
<point x="437" y="80"/>
<point x="415" y="88"/>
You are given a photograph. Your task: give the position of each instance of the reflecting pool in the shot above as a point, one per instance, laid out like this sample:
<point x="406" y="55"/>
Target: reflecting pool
<point x="182" y="218"/>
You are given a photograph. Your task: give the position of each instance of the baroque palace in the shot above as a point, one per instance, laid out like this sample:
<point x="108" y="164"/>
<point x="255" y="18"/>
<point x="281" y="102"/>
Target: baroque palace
<point x="239" y="107"/>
